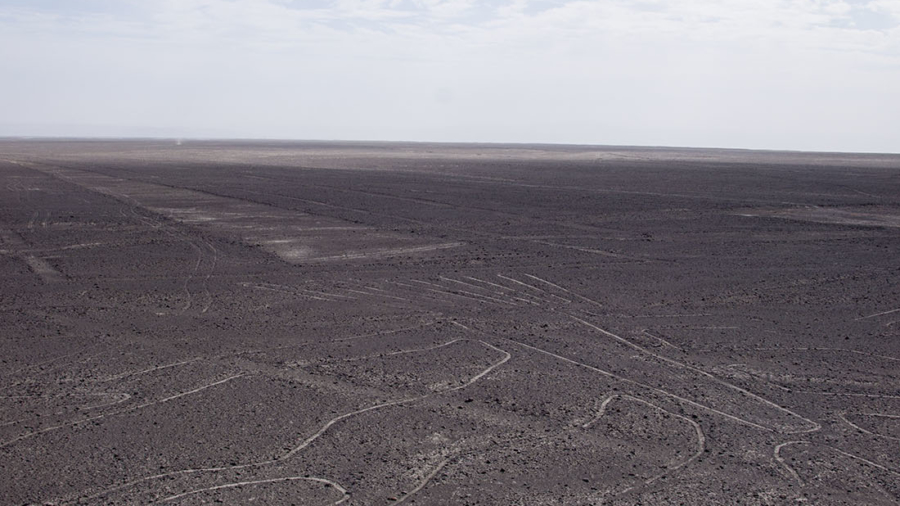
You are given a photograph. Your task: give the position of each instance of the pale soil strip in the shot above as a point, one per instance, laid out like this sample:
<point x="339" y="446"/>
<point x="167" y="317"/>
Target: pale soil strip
<point x="499" y="301"/>
<point x="506" y="288"/>
<point x="840" y="350"/>
<point x="532" y="298"/>
<point x="151" y="369"/>
<point x="50" y="361"/>
<point x="867" y="461"/>
<point x="696" y="315"/>
<point x="370" y="294"/>
<point x="402" y="284"/>
<point x="55" y="367"/>
<point x="113" y="413"/>
<point x="457" y="295"/>
<point x="324" y="294"/>
<point x="400" y="352"/>
<point x="815" y="426"/>
<point x="470" y="285"/>
<point x="284" y="290"/>
<point x="189" y="392"/>
<point x="476" y="299"/>
<point x="554" y="285"/>
<point x="42" y="268"/>
<point x="663" y="341"/>
<point x="238" y="484"/>
<point x="495" y="292"/>
<point x="567" y="301"/>
<point x="516" y="281"/>
<point x="212" y="268"/>
<point x="469" y="294"/>
<point x="308" y="441"/>
<point x="848" y="394"/>
<point x="339" y="340"/>
<point x="190" y="276"/>
<point x="784" y="464"/>
<point x="857" y="427"/>
<point x="591" y="250"/>
<point x="83" y="245"/>
<point x="424" y="482"/>
<point x="388" y="252"/>
<point x="601" y="411"/>
<point x="866" y="194"/>
<point x="642" y="385"/>
<point x="386" y="332"/>
<point x="701" y="440"/>
<point x="878" y="314"/>
<point x="796" y="476"/>
<point x="120" y="397"/>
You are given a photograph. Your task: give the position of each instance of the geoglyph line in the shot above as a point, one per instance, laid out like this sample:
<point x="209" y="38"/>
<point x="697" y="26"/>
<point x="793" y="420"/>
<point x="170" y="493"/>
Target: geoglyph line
<point x="400" y="352"/>
<point x="149" y="370"/>
<point x="661" y="340"/>
<point x="309" y="440"/>
<point x="878" y="314"/>
<point x="865" y="431"/>
<point x="815" y="426"/>
<point x="424" y="482"/>
<point x="114" y="413"/>
<point x="600" y="412"/>
<point x="698" y="431"/>
<point x="642" y="385"/>
<point x="239" y="484"/>
<point x="838" y="350"/>
<point x="777" y="454"/>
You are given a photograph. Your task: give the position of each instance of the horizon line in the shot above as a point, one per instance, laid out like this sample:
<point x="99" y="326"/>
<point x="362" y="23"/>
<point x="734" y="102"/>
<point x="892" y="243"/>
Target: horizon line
<point x="177" y="139"/>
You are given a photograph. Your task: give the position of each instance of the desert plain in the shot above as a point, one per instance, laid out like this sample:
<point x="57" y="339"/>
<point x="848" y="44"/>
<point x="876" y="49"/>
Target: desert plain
<point x="324" y="323"/>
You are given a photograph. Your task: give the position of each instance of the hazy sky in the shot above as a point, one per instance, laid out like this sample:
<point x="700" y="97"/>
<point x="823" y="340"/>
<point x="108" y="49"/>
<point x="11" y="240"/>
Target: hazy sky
<point x="806" y="74"/>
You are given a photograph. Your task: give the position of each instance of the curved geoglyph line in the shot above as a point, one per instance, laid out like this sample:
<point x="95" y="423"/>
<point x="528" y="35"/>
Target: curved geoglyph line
<point x="117" y="412"/>
<point x="814" y="426"/>
<point x="423" y="483"/>
<point x="796" y="476"/>
<point x="322" y="430"/>
<point x="698" y="431"/>
<point x="344" y="494"/>
<point x="777" y="454"/>
<point x="869" y="432"/>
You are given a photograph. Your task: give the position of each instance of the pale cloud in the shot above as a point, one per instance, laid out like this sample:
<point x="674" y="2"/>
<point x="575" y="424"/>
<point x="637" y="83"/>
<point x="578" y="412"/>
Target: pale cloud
<point x="808" y="74"/>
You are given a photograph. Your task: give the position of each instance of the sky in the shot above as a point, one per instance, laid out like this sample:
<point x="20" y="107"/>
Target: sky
<point x="819" y="75"/>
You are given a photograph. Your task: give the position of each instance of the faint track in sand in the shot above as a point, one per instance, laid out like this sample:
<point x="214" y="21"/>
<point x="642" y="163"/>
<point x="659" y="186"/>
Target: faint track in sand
<point x="600" y="412"/>
<point x="796" y="476"/>
<point x="866" y="431"/>
<point x="118" y="412"/>
<point x="814" y="426"/>
<point x="344" y="494"/>
<point x="698" y="431"/>
<point x="424" y="482"/>
<point x="777" y="455"/>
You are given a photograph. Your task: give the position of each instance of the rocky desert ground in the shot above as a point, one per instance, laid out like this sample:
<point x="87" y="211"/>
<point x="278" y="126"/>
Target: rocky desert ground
<point x="365" y="323"/>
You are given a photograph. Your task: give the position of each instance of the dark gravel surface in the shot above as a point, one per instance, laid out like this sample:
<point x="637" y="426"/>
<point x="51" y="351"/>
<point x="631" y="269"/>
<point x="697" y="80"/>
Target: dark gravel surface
<point x="323" y="323"/>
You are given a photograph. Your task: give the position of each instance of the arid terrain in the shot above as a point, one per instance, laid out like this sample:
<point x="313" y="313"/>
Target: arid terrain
<point x="323" y="323"/>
